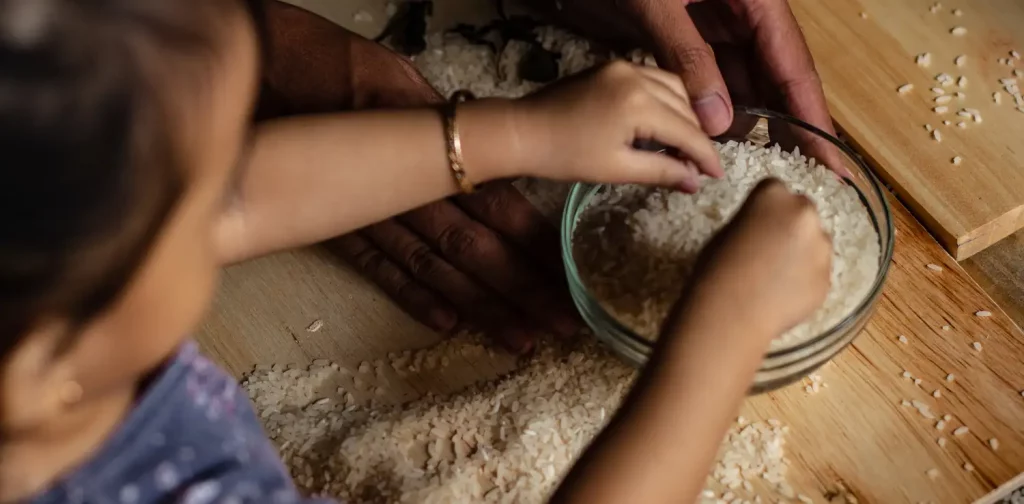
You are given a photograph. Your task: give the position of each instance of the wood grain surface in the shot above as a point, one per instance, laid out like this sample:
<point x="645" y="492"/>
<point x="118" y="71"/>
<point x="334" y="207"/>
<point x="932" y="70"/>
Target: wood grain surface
<point x="862" y="62"/>
<point x="999" y="270"/>
<point x="854" y="432"/>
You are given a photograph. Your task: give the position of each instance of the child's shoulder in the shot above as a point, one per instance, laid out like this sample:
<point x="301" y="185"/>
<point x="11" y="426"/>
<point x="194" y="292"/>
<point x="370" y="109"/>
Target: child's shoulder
<point x="192" y="437"/>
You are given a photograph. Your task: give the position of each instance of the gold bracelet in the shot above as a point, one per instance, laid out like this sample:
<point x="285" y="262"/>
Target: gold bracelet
<point x="451" y="130"/>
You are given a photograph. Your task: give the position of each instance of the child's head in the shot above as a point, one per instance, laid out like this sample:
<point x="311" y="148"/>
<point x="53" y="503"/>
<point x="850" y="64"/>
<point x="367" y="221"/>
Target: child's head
<point x="120" y="124"/>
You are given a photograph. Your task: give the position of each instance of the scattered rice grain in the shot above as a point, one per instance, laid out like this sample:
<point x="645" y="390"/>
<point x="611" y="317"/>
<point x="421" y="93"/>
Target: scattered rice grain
<point x="362" y="16"/>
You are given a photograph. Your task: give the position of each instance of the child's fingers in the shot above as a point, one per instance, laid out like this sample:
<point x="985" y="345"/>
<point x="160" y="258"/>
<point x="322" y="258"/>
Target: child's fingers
<point x="688" y="138"/>
<point x="669" y="80"/>
<point x="658" y="169"/>
<point x="668" y="98"/>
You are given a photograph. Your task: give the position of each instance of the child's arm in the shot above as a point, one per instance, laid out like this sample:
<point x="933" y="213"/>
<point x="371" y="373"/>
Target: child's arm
<point x="764" y="273"/>
<point x="315" y="177"/>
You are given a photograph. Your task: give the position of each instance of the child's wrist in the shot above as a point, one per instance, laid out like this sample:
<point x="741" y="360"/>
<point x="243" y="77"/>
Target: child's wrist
<point x="493" y="142"/>
<point x="703" y="317"/>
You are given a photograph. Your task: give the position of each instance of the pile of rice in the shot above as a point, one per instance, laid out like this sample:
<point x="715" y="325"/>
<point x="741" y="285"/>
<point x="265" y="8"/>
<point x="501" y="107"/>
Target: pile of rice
<point x="635" y="246"/>
<point x="510" y="439"/>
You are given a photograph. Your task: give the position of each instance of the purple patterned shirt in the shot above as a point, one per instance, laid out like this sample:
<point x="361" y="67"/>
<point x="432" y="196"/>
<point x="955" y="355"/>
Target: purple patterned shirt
<point x="192" y="438"/>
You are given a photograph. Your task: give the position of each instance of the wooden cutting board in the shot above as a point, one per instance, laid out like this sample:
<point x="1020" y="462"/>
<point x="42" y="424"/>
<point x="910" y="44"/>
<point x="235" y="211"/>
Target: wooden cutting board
<point x="863" y="61"/>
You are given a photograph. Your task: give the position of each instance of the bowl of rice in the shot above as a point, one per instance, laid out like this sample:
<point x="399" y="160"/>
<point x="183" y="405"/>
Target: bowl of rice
<point x="629" y="250"/>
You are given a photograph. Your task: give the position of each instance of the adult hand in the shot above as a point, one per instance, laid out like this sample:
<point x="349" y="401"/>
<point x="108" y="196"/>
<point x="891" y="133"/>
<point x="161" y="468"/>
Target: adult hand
<point x="489" y="260"/>
<point x="748" y="52"/>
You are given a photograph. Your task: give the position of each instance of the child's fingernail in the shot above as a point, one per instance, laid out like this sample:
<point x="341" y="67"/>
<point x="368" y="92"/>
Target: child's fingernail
<point x="689" y="186"/>
<point x="691" y="181"/>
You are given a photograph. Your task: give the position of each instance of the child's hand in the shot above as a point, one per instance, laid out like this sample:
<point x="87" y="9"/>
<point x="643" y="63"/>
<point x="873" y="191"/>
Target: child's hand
<point x="769" y="267"/>
<point x="584" y="128"/>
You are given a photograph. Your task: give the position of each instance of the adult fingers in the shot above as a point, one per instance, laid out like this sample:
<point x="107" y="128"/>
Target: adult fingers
<point x="476" y="302"/>
<point x="680" y="48"/>
<point x="424" y="306"/>
<point x="790" y="136"/>
<point x="478" y="251"/>
<point x="504" y="209"/>
<point x="734" y="62"/>
<point x="787" y="61"/>
<point x="501" y="207"/>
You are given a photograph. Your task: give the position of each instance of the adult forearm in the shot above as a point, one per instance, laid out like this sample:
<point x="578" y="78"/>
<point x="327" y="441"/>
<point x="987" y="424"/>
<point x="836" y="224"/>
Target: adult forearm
<point x="311" y="178"/>
<point x="661" y="444"/>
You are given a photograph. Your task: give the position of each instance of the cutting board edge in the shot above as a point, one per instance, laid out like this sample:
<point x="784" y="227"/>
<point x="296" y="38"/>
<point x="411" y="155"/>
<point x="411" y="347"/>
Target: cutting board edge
<point x="992" y="232"/>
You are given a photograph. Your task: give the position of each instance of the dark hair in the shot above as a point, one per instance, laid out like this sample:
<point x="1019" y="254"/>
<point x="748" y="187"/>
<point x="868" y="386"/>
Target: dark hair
<point x="90" y="169"/>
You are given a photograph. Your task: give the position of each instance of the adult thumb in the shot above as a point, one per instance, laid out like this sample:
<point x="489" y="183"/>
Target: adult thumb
<point x="679" y="48"/>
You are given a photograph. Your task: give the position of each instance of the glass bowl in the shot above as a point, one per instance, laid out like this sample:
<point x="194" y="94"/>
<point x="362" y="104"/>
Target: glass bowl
<point x="781" y="365"/>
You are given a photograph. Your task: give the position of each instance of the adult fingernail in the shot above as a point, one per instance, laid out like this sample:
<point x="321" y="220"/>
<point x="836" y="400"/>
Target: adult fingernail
<point x="516" y="341"/>
<point x="565" y="324"/>
<point x="713" y="113"/>
<point x="442" y="320"/>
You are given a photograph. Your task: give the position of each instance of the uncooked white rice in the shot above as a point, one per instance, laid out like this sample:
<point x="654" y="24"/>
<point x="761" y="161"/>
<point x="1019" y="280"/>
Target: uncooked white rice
<point x="507" y="440"/>
<point x="635" y="246"/>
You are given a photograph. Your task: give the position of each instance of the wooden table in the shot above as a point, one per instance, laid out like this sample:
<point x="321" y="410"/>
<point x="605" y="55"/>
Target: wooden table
<point x="862" y="62"/>
<point x="854" y="432"/>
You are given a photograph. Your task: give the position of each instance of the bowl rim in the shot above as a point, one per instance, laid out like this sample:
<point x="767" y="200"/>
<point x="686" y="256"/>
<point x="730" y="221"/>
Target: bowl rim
<point x="568" y="220"/>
